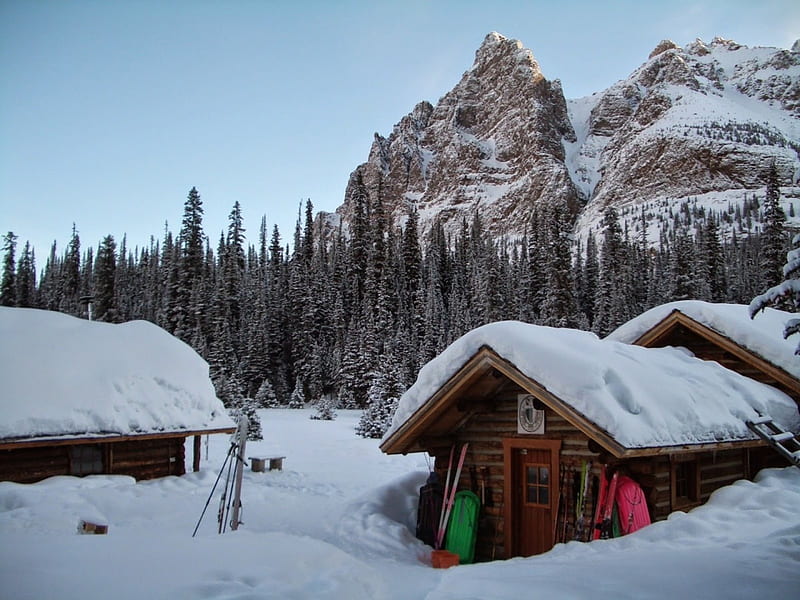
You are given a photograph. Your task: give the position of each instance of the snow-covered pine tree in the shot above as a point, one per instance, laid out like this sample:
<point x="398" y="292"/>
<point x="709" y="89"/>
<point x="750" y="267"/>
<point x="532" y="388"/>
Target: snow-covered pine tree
<point x="558" y="307"/>
<point x="325" y="408"/>
<point x="104" y="280"/>
<point x="384" y="395"/>
<point x="611" y="300"/>
<point x="8" y="286"/>
<point x="71" y="276"/>
<point x="785" y="294"/>
<point x="298" y="397"/>
<point x="682" y="271"/>
<point x="589" y="279"/>
<point x="190" y="269"/>
<point x="773" y="238"/>
<point x="26" y="278"/>
<point x="265" y="396"/>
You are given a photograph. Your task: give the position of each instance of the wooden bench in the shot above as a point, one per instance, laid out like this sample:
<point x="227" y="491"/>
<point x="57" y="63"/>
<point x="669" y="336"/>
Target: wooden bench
<point x="258" y="464"/>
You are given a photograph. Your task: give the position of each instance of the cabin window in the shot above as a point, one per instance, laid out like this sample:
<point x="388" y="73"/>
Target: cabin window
<point x="537" y="484"/>
<point x="685" y="482"/>
<point x="85" y="460"/>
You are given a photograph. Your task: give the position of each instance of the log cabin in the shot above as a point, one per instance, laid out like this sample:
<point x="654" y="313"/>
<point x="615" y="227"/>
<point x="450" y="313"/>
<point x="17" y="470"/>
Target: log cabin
<point x="83" y="398"/>
<point x="535" y="404"/>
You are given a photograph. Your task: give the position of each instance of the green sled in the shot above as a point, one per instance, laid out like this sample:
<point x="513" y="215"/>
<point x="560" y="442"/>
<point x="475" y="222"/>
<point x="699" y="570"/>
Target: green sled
<point x="462" y="528"/>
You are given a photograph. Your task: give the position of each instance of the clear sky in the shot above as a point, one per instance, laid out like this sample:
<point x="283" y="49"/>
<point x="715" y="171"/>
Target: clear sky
<point x="111" y="111"/>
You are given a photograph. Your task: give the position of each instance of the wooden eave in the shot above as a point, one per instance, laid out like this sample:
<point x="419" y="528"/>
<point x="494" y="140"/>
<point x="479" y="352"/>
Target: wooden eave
<point x="661" y="330"/>
<point x="435" y="421"/>
<point x="14" y="443"/>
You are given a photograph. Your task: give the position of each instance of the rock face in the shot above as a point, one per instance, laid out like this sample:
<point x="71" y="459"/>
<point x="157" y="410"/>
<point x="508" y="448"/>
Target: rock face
<point x="494" y="143"/>
<point x="690" y="121"/>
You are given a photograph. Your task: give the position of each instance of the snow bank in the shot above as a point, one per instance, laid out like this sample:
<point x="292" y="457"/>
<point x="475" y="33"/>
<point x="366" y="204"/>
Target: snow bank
<point x="65" y="376"/>
<point x="643" y="397"/>
<point x="311" y="531"/>
<point x="762" y="335"/>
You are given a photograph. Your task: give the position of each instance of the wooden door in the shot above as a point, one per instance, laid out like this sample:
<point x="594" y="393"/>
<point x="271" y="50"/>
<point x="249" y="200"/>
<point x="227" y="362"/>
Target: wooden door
<point x="531" y="491"/>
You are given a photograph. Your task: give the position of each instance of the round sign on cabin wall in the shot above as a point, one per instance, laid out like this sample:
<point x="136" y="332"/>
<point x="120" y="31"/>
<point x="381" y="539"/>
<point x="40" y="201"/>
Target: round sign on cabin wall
<point x="529" y="419"/>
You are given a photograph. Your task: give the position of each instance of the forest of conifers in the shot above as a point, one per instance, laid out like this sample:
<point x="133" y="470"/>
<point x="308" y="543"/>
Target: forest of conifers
<point x="346" y="319"/>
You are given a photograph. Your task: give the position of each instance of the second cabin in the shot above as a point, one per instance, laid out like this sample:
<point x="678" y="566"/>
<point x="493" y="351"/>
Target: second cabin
<point x="538" y="406"/>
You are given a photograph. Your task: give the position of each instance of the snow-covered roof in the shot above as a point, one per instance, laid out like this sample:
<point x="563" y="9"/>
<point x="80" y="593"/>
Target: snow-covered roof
<point x="63" y="376"/>
<point x="642" y="397"/>
<point x="762" y="335"/>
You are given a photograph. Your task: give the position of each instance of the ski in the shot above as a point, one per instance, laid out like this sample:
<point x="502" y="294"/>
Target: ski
<point x="580" y="515"/>
<point x="451" y="499"/>
<point x="600" y="504"/>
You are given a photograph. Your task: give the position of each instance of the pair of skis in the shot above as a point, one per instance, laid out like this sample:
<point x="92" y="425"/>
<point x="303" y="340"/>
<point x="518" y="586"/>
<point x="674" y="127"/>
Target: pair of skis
<point x="449" y="494"/>
<point x="605" y="507"/>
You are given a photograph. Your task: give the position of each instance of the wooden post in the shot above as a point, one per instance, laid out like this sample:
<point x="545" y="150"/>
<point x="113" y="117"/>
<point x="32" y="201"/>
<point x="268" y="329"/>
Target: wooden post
<point x="196" y="454"/>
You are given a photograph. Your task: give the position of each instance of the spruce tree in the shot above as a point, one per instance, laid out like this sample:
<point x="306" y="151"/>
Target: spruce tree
<point x="8" y="286"/>
<point x="786" y="294"/>
<point x="26" y="278"/>
<point x="104" y="279"/>
<point x="773" y="237"/>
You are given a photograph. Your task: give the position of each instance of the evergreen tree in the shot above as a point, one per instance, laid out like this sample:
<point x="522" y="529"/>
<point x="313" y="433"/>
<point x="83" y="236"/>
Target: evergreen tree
<point x="71" y="276"/>
<point x="104" y="274"/>
<point x="611" y="301"/>
<point x="559" y="306"/>
<point x="774" y="238"/>
<point x="589" y="280"/>
<point x="298" y="398"/>
<point x="188" y="305"/>
<point x="325" y="408"/>
<point x="682" y="270"/>
<point x="265" y="396"/>
<point x="8" y="286"/>
<point x="383" y="397"/>
<point x="786" y="294"/>
<point x="26" y="278"/>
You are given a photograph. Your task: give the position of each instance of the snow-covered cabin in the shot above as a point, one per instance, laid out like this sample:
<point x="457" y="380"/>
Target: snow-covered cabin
<point x="80" y="397"/>
<point x="724" y="333"/>
<point x="526" y="396"/>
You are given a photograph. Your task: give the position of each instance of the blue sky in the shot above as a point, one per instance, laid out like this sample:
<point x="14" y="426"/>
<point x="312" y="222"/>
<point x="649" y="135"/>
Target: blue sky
<point x="111" y="111"/>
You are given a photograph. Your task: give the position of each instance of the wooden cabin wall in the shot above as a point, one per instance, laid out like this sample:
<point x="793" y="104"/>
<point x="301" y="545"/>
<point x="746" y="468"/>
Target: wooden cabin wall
<point x="143" y="459"/>
<point x="148" y="459"/>
<point x="485" y="431"/>
<point x="28" y="465"/>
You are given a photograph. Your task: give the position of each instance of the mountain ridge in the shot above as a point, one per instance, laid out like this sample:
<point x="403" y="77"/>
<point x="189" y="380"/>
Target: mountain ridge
<point x="692" y="120"/>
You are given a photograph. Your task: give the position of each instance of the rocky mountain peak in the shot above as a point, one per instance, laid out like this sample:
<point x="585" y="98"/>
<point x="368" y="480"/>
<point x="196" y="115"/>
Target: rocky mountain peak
<point x="663" y="46"/>
<point x="494" y="143"/>
<point x="699" y="120"/>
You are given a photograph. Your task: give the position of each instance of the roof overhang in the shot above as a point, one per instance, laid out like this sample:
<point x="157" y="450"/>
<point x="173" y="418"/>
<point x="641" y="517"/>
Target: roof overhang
<point x="104" y="438"/>
<point x="437" y="419"/>
<point x="661" y="330"/>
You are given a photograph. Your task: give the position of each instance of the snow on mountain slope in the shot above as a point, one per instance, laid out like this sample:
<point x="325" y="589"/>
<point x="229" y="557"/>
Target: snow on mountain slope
<point x="704" y="119"/>
<point x="696" y="120"/>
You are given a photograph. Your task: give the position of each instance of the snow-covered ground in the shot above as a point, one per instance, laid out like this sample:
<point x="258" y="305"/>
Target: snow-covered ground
<point x="335" y="523"/>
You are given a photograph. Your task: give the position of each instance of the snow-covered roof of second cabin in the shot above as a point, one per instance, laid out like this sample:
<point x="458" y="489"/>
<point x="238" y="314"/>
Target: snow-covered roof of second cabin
<point x="67" y="377"/>
<point x="762" y="335"/>
<point x="642" y="397"/>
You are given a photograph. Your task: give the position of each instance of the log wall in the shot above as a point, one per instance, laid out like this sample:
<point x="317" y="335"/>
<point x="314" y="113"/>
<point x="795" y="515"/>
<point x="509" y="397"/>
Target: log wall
<point x="483" y="470"/>
<point x="142" y="459"/>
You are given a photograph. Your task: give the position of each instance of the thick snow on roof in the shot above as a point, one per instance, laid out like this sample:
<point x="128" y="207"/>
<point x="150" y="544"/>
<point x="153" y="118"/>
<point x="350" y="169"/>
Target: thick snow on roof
<point x="643" y="397"/>
<point x="762" y="335"/>
<point x="65" y="376"/>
